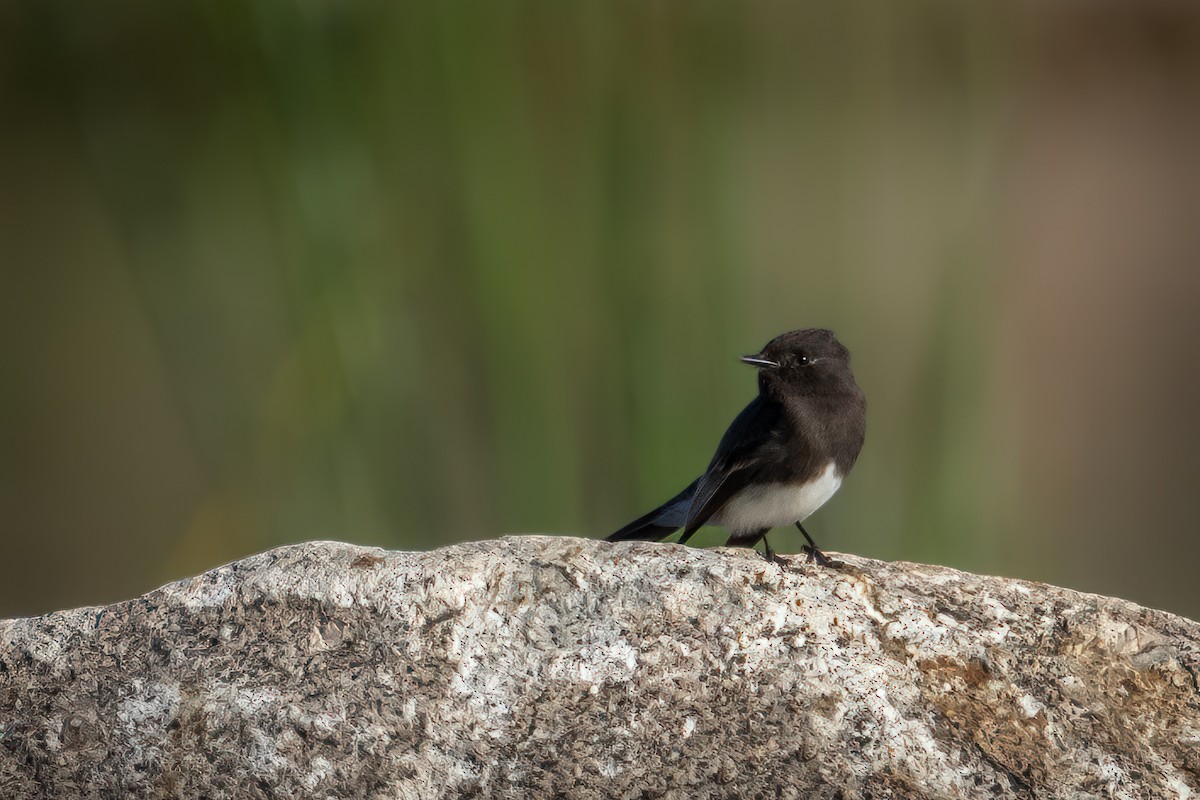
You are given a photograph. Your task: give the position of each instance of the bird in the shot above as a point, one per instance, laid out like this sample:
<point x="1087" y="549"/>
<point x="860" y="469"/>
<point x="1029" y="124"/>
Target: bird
<point x="782" y="457"/>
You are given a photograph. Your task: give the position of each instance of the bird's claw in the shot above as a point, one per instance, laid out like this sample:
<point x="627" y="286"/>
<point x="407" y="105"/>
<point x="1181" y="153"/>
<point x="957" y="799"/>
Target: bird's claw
<point x="820" y="559"/>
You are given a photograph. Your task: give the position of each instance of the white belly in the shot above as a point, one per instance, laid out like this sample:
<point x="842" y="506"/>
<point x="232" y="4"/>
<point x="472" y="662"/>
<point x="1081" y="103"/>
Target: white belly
<point x="775" y="504"/>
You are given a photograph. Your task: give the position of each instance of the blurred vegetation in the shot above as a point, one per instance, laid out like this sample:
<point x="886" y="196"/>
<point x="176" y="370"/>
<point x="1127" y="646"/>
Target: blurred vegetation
<point x="408" y="274"/>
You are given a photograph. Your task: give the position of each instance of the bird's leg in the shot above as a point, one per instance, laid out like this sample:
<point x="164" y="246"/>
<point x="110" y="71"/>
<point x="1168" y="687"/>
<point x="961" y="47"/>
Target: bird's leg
<point x="751" y="540"/>
<point x="768" y="553"/>
<point x="814" y="552"/>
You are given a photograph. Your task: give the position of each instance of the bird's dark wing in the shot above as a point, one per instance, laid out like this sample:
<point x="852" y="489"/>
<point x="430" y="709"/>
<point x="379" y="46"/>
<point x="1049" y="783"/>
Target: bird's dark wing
<point x="662" y="521"/>
<point x="736" y="462"/>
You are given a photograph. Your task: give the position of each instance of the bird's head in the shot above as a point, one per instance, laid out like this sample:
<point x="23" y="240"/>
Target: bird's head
<point x="809" y="361"/>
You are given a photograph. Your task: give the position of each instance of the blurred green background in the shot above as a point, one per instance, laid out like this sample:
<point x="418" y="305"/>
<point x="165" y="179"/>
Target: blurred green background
<point x="414" y="273"/>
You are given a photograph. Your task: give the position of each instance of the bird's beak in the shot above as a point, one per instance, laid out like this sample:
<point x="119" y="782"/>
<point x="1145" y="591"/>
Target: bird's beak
<point x="759" y="361"/>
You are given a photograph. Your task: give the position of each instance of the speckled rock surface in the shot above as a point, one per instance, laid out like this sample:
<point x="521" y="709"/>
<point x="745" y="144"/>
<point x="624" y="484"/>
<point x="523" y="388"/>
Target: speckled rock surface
<point x="552" y="667"/>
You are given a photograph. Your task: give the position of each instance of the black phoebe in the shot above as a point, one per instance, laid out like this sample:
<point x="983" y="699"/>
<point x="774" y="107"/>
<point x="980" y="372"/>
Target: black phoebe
<point x="782" y="457"/>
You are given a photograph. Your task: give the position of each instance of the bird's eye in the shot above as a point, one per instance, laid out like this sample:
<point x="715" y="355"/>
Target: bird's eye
<point x="802" y="360"/>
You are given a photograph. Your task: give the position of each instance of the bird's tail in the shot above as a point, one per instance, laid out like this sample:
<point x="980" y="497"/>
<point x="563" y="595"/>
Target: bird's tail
<point x="661" y="522"/>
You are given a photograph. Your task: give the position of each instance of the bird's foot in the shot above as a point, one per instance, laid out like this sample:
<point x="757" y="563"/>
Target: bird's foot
<point x="771" y="556"/>
<point x="820" y="559"/>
